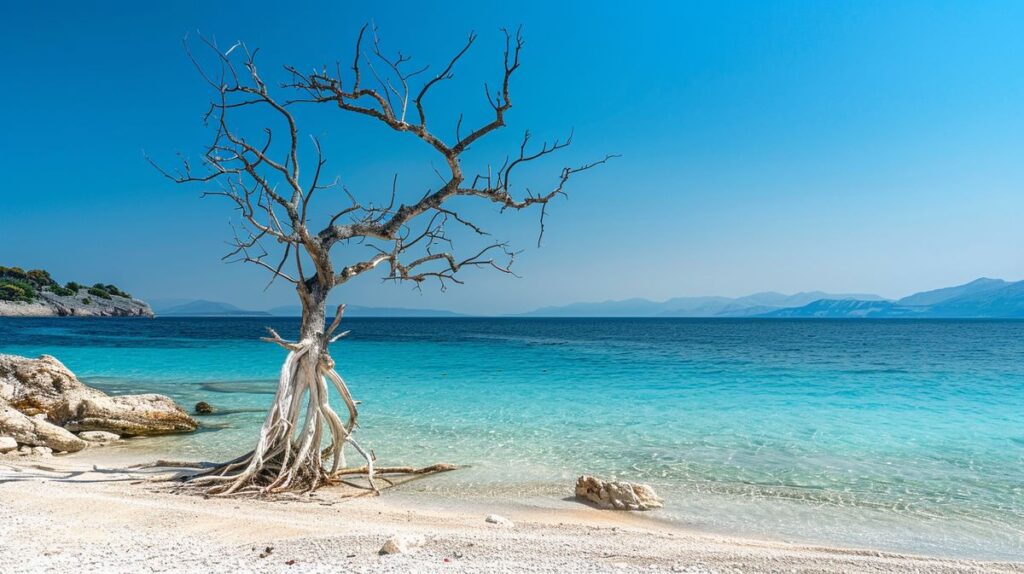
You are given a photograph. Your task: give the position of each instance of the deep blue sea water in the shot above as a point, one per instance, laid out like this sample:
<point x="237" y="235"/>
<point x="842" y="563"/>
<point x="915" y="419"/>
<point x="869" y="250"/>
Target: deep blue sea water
<point x="899" y="434"/>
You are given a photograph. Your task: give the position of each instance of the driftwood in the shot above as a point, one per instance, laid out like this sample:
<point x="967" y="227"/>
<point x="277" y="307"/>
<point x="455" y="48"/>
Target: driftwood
<point x="411" y="241"/>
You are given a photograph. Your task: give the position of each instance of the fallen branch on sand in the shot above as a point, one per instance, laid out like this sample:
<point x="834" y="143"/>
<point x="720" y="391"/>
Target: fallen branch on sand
<point x="392" y="475"/>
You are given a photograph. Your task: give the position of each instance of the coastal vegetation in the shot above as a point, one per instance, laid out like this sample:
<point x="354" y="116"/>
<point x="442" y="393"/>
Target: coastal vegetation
<point x="36" y="293"/>
<point x="16" y="284"/>
<point x="403" y="241"/>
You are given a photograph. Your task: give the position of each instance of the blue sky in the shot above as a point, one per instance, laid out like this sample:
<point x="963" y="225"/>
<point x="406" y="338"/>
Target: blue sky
<point x="843" y="146"/>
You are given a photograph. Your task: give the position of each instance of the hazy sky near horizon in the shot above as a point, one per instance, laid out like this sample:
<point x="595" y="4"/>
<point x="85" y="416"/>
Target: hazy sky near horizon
<point x="842" y="146"/>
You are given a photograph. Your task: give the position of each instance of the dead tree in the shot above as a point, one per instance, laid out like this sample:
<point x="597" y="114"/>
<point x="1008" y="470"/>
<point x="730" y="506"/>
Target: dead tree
<point x="301" y="445"/>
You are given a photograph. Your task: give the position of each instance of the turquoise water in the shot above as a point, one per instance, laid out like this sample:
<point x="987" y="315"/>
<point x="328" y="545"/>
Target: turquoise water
<point x="902" y="435"/>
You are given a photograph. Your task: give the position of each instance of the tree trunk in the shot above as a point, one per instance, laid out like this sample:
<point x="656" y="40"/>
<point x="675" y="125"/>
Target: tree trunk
<point x="290" y="452"/>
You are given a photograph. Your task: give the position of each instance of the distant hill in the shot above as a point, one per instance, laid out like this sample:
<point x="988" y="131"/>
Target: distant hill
<point x="980" y="299"/>
<point x="712" y="306"/>
<point x="1004" y="302"/>
<point x="842" y="308"/>
<point x="203" y="308"/>
<point x="361" y="311"/>
<point x="35" y="293"/>
<point x="939" y="295"/>
<point x="626" y="308"/>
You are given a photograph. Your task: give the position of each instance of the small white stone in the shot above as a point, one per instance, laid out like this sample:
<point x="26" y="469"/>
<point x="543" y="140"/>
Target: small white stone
<point x="402" y="544"/>
<point x="98" y="436"/>
<point x="7" y="444"/>
<point x="42" y="451"/>
<point x="499" y="520"/>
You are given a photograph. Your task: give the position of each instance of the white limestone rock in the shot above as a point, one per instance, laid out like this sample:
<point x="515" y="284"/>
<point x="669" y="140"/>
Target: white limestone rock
<point x="98" y="436"/>
<point x="617" y="495"/>
<point x="46" y="386"/>
<point x="403" y="544"/>
<point x="36" y="430"/>
<point x="499" y="520"/>
<point x="7" y="444"/>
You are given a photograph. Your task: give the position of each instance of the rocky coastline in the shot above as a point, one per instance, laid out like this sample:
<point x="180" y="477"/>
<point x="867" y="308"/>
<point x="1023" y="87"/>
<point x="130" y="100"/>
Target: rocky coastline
<point x="34" y="293"/>
<point x="52" y="305"/>
<point x="45" y="409"/>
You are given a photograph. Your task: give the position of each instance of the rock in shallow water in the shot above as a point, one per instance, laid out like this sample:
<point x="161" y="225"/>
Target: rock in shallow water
<point x="36" y="431"/>
<point x="204" y="408"/>
<point x="617" y="495"/>
<point x="46" y="386"/>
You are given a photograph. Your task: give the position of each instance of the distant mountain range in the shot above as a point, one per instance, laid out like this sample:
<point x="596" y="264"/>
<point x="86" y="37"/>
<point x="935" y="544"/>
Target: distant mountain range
<point x="361" y="311"/>
<point x="981" y="298"/>
<point x="200" y="308"/>
<point x="204" y="308"/>
<point x="748" y="306"/>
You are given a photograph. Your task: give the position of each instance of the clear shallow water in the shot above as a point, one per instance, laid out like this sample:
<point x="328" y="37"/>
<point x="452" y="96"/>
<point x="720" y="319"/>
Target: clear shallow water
<point x="904" y="435"/>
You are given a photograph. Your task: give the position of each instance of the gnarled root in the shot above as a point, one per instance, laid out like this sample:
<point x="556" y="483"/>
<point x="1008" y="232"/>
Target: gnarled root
<point x="290" y="453"/>
<point x="392" y="475"/>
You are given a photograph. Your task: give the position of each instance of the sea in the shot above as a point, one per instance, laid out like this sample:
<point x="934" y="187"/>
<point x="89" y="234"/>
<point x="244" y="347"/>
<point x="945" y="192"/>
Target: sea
<point x="901" y="435"/>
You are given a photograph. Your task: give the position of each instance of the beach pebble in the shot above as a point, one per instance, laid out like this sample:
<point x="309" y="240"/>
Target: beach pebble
<point x="499" y="520"/>
<point x="204" y="408"/>
<point x="42" y="451"/>
<point x="402" y="544"/>
<point x="98" y="436"/>
<point x="7" y="444"/>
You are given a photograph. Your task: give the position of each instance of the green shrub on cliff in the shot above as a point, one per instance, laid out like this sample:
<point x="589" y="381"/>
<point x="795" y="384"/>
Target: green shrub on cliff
<point x="40" y="278"/>
<point x="16" y="284"/>
<point x="36" y="277"/>
<point x="62" y="291"/>
<point x="113" y="290"/>
<point x="12" y="273"/>
<point x="99" y="292"/>
<point x="17" y="290"/>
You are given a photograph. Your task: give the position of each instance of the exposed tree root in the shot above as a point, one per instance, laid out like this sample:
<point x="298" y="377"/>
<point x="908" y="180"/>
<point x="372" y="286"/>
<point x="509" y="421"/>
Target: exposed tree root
<point x="392" y="475"/>
<point x="290" y="455"/>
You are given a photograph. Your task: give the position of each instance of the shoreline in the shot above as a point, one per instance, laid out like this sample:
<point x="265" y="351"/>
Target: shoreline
<point x="445" y="490"/>
<point x="86" y="515"/>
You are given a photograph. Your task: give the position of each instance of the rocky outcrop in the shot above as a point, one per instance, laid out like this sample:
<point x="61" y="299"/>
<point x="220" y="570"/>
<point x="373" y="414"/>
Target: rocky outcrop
<point x="81" y="305"/>
<point x="98" y="436"/>
<point x="129" y="415"/>
<point x="36" y="431"/>
<point x="7" y="444"/>
<point x="34" y="293"/>
<point x="42" y="402"/>
<point x="617" y="495"/>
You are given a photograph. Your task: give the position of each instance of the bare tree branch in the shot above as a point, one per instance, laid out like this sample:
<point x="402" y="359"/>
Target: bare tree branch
<point x="417" y="242"/>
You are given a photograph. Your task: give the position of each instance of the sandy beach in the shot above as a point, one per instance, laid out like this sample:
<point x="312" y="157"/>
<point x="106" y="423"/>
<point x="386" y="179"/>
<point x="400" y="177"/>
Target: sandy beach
<point x="85" y="514"/>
